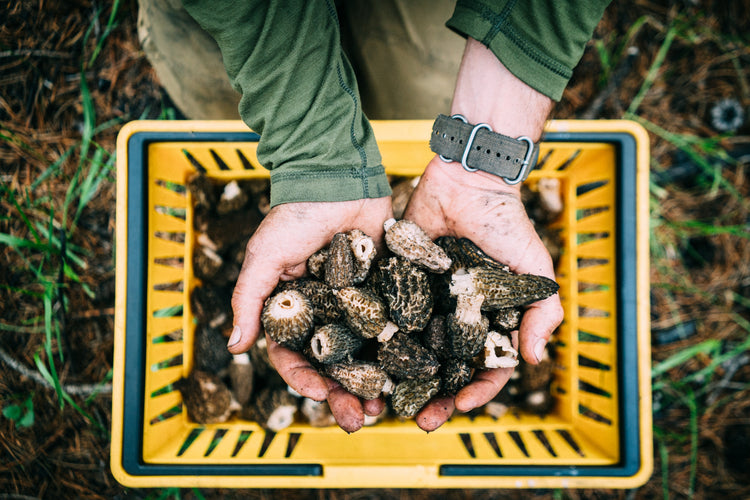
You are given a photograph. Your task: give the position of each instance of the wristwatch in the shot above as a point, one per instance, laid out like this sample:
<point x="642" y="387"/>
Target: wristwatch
<point x="477" y="147"/>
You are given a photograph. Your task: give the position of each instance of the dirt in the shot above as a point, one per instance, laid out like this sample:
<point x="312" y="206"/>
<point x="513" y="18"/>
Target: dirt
<point x="700" y="275"/>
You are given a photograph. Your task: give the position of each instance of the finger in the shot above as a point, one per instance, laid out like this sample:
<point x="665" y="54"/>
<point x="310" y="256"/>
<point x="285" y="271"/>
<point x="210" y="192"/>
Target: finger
<point x="539" y="322"/>
<point x="435" y="413"/>
<point x="345" y="407"/>
<point x="373" y="407"/>
<point x="297" y="372"/>
<point x="254" y="284"/>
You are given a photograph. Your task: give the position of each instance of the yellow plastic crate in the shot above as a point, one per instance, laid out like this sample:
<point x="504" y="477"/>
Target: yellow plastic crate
<point x="599" y="434"/>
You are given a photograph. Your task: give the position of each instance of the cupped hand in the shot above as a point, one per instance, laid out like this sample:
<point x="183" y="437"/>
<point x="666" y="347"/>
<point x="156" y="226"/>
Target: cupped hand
<point x="450" y="201"/>
<point x="278" y="250"/>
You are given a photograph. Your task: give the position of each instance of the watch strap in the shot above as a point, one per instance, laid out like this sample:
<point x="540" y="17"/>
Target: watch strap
<point x="497" y="154"/>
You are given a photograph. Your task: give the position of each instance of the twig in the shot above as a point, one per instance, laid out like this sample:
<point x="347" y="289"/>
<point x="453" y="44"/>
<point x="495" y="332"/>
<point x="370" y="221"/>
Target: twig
<point x="74" y="389"/>
<point x="34" y="52"/>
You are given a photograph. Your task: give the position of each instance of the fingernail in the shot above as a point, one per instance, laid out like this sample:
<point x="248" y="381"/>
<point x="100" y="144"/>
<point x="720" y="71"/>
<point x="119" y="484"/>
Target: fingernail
<point x="538" y="349"/>
<point x="235" y="337"/>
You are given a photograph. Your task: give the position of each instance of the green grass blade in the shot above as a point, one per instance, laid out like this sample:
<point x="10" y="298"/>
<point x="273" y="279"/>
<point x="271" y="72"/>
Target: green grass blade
<point x="711" y="346"/>
<point x="111" y="24"/>
<point x="653" y="71"/>
<point x="53" y="380"/>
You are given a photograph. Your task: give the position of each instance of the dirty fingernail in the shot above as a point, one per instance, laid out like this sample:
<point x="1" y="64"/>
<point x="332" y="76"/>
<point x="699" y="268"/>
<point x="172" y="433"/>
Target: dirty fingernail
<point x="235" y="337"/>
<point x="538" y="349"/>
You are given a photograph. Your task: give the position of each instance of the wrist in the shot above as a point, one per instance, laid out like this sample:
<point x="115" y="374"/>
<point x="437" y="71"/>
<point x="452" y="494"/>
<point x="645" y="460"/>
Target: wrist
<point x="486" y="92"/>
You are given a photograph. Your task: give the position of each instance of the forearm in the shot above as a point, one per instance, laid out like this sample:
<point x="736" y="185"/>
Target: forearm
<point x="539" y="41"/>
<point x="487" y="92"/>
<point x="300" y="94"/>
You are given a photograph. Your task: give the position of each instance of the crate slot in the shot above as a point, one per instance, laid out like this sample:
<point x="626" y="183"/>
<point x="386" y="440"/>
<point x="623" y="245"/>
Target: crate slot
<point x="174" y="286"/>
<point x="516" y="437"/>
<point x="542" y="437"/>
<point x="568" y="160"/>
<point x="245" y="162"/>
<point x="593" y="389"/>
<point x="592" y="338"/>
<point x="292" y="443"/>
<point x="168" y="312"/>
<point x="589" y="413"/>
<point x="174" y="187"/>
<point x="174" y="262"/>
<point x="218" y="436"/>
<point x="586" y="262"/>
<point x="267" y="440"/>
<point x="590" y="186"/>
<point x="219" y="161"/>
<point x="174" y="237"/>
<point x="166" y="415"/>
<point x="173" y="336"/>
<point x="163" y="390"/>
<point x="194" y="161"/>
<point x="468" y="444"/>
<point x="190" y="439"/>
<point x="592" y="363"/>
<point x="241" y="440"/>
<point x="167" y="363"/>
<point x="176" y="212"/>
<point x="568" y="437"/>
<point x="492" y="440"/>
<point x="584" y="238"/>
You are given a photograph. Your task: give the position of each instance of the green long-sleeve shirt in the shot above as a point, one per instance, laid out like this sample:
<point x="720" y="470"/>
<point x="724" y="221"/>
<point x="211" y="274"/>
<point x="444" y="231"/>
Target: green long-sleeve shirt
<point x="300" y="94"/>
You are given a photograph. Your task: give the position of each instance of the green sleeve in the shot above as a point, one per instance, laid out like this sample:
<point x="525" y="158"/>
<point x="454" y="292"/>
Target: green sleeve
<point x="300" y="94"/>
<point x="539" y="41"/>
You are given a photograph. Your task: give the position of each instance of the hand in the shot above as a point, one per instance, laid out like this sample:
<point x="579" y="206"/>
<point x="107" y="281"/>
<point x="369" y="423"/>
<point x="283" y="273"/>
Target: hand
<point x="483" y="208"/>
<point x="278" y="250"/>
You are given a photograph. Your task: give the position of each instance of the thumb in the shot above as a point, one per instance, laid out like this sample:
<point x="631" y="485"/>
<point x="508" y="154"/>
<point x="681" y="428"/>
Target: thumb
<point x="254" y="284"/>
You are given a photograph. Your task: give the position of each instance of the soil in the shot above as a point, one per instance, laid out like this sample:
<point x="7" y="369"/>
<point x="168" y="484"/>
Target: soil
<point x="700" y="270"/>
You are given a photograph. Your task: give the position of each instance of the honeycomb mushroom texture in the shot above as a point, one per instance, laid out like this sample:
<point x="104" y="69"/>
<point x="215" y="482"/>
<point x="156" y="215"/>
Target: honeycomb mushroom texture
<point x="502" y="289"/>
<point x="410" y="396"/>
<point x="334" y="343"/>
<point x="507" y="319"/>
<point x="364" y="311"/>
<point x="467" y="327"/>
<point x="435" y="337"/>
<point x="325" y="306"/>
<point x="339" y="266"/>
<point x="403" y="357"/>
<point x="362" y="379"/>
<point x="207" y="399"/>
<point x="287" y="318"/>
<point x="406" y="289"/>
<point x="456" y="373"/>
<point x="316" y="263"/>
<point x="407" y="239"/>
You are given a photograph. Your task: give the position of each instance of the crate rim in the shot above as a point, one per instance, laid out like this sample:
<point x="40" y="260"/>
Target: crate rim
<point x="134" y="473"/>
